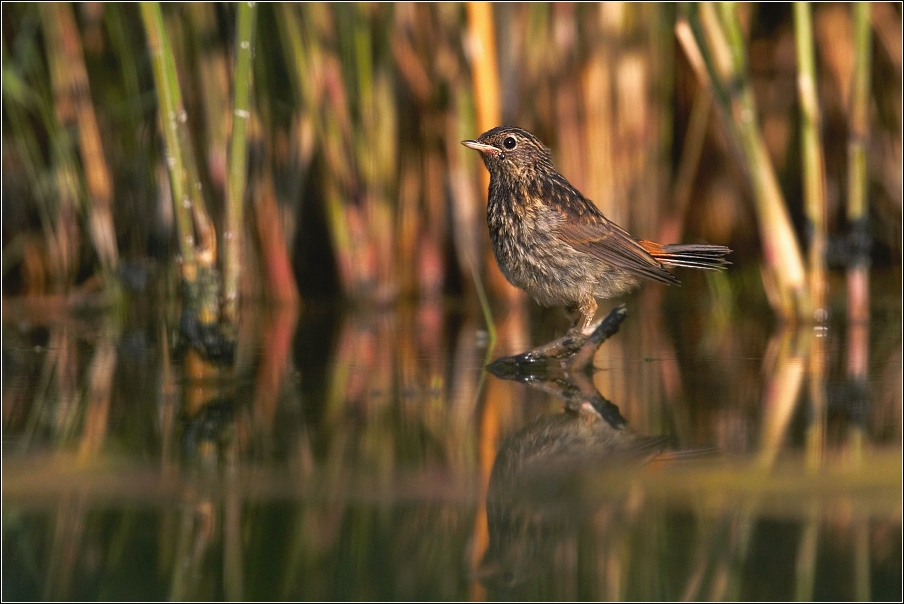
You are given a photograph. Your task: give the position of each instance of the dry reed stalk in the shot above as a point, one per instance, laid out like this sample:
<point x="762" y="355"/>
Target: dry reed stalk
<point x="76" y="111"/>
<point x="280" y="279"/>
<point x="278" y="333"/>
<point x="816" y="430"/>
<point x="887" y="27"/>
<point x="721" y="43"/>
<point x="481" y="50"/>
<point x="63" y="234"/>
<point x="598" y="140"/>
<point x="784" y="379"/>
<point x="60" y="395"/>
<point x="61" y="227"/>
<point x="97" y="403"/>
<point x="635" y="86"/>
<point x="571" y="150"/>
<point x="488" y="441"/>
<point x="484" y="66"/>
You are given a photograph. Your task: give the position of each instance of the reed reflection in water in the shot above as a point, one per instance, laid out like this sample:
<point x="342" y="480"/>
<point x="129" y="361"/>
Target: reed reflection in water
<point x="353" y="459"/>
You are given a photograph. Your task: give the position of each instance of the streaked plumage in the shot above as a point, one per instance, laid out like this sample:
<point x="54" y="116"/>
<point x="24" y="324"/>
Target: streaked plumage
<point x="555" y="244"/>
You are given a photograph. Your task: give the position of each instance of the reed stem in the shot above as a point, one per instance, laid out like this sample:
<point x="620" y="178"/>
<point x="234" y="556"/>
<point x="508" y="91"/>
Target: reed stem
<point x="859" y="114"/>
<point x="76" y="112"/>
<point x="238" y="172"/>
<point x="858" y="178"/>
<point x="171" y="113"/>
<point x="811" y="152"/>
<point x="485" y="80"/>
<point x="721" y="42"/>
<point x="484" y="69"/>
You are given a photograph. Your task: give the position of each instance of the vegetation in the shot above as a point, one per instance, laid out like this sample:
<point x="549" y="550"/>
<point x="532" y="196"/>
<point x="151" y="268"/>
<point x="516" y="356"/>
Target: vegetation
<point x="298" y="153"/>
<point x="353" y="122"/>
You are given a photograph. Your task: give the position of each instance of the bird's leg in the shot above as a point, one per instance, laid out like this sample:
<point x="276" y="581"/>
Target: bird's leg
<point x="582" y="316"/>
<point x="588" y="309"/>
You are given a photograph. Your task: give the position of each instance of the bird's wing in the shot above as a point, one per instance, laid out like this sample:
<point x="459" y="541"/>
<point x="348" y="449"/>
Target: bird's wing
<point x="601" y="238"/>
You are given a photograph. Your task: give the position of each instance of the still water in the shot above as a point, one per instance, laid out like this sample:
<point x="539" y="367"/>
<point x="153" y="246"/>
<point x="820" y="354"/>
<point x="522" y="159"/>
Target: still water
<point x="365" y="453"/>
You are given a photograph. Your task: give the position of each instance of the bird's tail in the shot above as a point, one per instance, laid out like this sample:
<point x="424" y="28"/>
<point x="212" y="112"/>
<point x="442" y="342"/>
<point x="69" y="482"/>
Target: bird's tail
<point x="711" y="257"/>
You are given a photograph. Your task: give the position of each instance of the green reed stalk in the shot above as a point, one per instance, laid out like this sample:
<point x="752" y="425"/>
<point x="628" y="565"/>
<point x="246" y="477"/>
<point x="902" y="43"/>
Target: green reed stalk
<point x="811" y="151"/>
<point x="206" y="248"/>
<point x="815" y="204"/>
<point x="464" y="204"/>
<point x="858" y="178"/>
<point x="858" y="269"/>
<point x="859" y="114"/>
<point x="238" y="172"/>
<point x="721" y="43"/>
<point x="171" y="113"/>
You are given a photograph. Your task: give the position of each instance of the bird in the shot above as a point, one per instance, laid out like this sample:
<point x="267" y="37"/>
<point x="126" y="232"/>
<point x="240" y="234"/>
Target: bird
<point x="552" y="242"/>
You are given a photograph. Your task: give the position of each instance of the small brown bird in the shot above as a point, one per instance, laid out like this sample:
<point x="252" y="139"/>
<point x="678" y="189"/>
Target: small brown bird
<point x="555" y="244"/>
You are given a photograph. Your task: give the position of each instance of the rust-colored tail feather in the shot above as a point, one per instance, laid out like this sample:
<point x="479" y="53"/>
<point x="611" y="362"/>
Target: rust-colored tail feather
<point x="690" y="255"/>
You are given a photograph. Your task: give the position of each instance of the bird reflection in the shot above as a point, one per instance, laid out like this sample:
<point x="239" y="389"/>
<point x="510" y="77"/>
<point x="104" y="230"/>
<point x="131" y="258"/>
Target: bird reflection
<point x="533" y="507"/>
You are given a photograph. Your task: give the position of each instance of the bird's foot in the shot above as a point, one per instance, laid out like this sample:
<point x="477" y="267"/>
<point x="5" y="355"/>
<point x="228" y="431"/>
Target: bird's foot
<point x="589" y="326"/>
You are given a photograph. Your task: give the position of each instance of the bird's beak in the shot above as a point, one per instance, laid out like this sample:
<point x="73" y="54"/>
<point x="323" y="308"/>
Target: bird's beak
<point x="481" y="147"/>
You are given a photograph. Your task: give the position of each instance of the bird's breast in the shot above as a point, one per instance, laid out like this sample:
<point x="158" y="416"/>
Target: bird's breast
<point x="522" y="233"/>
<point x="512" y="221"/>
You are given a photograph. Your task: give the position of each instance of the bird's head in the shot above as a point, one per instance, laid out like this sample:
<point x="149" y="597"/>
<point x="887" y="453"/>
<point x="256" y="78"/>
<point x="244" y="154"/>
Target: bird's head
<point x="509" y="151"/>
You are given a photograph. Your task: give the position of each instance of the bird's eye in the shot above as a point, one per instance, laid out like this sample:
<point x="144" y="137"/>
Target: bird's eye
<point x="509" y="142"/>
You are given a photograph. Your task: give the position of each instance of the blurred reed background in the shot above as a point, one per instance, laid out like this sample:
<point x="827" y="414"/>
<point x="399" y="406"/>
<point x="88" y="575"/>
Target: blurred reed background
<point x="766" y="128"/>
<point x="356" y="182"/>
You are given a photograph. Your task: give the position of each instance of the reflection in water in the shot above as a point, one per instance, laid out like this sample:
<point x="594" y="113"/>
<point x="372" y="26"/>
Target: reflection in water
<point x="349" y="456"/>
<point x="531" y="505"/>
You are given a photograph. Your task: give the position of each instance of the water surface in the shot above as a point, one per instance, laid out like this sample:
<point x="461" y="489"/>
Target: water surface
<point x="349" y="455"/>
